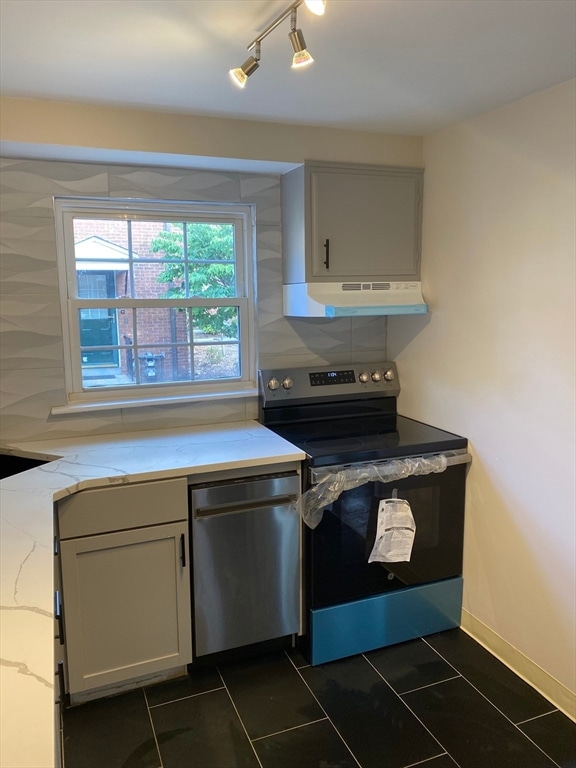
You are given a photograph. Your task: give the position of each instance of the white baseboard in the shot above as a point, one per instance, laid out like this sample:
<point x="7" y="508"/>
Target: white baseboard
<point x="556" y="692"/>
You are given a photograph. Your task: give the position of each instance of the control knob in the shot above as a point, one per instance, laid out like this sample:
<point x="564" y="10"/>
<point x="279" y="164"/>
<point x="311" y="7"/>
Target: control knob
<point x="363" y="377"/>
<point x="287" y="383"/>
<point x="273" y="384"/>
<point x="376" y="376"/>
<point x="389" y="375"/>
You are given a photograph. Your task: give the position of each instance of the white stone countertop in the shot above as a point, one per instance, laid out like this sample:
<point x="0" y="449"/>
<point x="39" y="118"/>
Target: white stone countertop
<point x="27" y="549"/>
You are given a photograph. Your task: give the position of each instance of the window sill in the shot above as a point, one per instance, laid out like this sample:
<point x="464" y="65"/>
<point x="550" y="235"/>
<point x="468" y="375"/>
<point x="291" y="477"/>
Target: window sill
<point x="89" y="406"/>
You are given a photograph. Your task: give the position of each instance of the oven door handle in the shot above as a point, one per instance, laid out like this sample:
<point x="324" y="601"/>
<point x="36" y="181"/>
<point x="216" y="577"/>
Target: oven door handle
<point x="458" y="458"/>
<point x="452" y="458"/>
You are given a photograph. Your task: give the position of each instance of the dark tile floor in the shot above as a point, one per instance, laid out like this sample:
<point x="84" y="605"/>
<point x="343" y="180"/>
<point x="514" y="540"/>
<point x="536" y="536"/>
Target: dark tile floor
<point x="438" y="702"/>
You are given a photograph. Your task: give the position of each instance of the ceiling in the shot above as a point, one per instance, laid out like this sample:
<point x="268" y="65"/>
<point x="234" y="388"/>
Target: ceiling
<point x="398" y="66"/>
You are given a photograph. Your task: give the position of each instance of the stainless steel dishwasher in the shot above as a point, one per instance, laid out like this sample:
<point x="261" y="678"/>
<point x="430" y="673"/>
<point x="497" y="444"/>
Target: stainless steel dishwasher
<point x="246" y="561"/>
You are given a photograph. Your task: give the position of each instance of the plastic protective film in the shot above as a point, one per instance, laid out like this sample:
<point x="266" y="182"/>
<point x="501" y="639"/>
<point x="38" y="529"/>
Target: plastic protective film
<point x="338" y="479"/>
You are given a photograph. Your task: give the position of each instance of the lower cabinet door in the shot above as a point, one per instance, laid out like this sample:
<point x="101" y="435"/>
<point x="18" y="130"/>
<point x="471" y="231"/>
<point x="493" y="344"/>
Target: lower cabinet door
<point x="126" y="598"/>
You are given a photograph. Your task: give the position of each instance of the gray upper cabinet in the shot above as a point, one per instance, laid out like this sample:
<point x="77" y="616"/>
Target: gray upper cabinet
<point x="351" y="222"/>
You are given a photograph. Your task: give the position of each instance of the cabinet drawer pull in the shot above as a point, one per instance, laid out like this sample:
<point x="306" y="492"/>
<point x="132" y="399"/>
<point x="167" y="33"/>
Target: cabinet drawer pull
<point x="327" y="249"/>
<point x="183" y="550"/>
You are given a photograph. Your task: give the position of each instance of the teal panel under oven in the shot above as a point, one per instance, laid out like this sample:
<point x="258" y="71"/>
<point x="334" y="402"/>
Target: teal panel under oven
<point x="380" y="620"/>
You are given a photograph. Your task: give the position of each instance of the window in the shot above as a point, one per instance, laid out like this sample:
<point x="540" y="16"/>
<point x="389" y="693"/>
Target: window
<point x="157" y="300"/>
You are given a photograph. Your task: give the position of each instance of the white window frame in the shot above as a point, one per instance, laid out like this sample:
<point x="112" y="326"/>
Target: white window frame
<point x="241" y="216"/>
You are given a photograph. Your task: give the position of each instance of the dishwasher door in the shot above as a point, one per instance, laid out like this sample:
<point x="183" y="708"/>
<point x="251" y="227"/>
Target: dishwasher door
<point x="246" y="561"/>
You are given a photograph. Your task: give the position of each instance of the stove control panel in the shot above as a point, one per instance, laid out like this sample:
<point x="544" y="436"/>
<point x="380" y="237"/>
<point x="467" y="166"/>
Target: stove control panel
<point x="319" y="382"/>
<point x="329" y="378"/>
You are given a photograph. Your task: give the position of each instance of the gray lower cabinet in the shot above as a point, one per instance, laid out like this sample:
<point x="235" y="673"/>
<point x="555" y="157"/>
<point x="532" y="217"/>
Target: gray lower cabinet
<point x="126" y="593"/>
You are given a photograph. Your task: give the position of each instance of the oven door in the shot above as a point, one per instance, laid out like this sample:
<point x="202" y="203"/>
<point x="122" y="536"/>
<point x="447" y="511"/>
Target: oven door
<point x="337" y="550"/>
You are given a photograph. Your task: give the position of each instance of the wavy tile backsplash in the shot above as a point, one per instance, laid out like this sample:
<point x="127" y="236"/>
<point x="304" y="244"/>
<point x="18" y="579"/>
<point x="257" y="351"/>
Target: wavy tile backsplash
<point x="31" y="356"/>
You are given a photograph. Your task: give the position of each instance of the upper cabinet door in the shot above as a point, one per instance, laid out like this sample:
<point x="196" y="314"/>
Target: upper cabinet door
<point x="343" y="222"/>
<point x="365" y="224"/>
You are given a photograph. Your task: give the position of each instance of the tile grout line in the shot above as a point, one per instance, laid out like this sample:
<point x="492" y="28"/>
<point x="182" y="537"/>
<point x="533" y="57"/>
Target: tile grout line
<point x="153" y="729"/>
<point x="183" y="698"/>
<point x="429" y="760"/>
<point x="287" y="730"/>
<point x="537" y="717"/>
<point x="428" y="685"/>
<point x="471" y="684"/>
<point x="239" y="718"/>
<point x="413" y="713"/>
<point x="323" y="710"/>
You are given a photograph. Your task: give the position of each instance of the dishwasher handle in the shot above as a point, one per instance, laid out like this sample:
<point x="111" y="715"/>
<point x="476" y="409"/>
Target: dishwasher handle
<point x="243" y="506"/>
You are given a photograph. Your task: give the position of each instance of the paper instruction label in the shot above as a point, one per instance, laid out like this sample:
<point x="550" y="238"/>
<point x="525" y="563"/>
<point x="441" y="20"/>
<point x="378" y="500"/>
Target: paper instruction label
<point x="395" y="532"/>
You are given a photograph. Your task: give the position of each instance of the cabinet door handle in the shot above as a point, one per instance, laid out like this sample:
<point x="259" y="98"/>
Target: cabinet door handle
<point x="61" y="683"/>
<point x="58" y="616"/>
<point x="183" y="550"/>
<point x="327" y="249"/>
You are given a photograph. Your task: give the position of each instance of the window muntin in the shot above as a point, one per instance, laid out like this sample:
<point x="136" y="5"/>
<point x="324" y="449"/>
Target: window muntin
<point x="159" y="297"/>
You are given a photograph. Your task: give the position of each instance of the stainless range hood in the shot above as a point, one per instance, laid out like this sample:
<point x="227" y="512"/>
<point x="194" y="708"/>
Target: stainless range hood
<point x="353" y="299"/>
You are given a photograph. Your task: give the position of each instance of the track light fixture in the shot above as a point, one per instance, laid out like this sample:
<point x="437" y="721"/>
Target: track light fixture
<point x="301" y="56"/>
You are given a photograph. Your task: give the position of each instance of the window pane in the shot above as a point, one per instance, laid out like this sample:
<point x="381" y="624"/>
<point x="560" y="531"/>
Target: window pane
<point x="163" y="345"/>
<point x="215" y="324"/>
<point x="125" y="326"/>
<point x="152" y="281"/>
<point x="212" y="281"/>
<point x="96" y="285"/>
<point x="209" y="242"/>
<point x="159" y="325"/>
<point x="159" y="365"/>
<point x="213" y="330"/>
<point x="98" y="328"/>
<point x="216" y="361"/>
<point x="101" y="245"/>
<point x="210" y="260"/>
<point x="104" y="375"/>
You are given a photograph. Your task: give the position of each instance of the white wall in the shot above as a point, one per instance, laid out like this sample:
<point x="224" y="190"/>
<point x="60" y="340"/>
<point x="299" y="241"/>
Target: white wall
<point x="495" y="361"/>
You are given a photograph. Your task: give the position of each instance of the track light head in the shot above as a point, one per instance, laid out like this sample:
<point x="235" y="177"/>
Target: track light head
<point x="301" y="56"/>
<point x="240" y="75"/>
